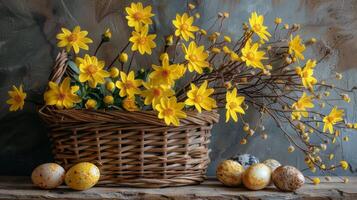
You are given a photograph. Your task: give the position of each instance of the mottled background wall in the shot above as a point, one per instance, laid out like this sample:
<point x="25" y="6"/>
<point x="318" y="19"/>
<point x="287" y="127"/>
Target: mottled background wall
<point x="27" y="49"/>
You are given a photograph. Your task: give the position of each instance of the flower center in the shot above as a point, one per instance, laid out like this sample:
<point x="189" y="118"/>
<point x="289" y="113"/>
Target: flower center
<point x="233" y="105"/>
<point x="184" y="27"/>
<point x="61" y="96"/>
<point x="128" y="85"/>
<point x="193" y="58"/>
<point x="138" y="16"/>
<point x="92" y="69"/>
<point x="250" y="56"/>
<point x="72" y="38"/>
<point x="257" y="27"/>
<point x="157" y="92"/>
<point x="165" y="73"/>
<point x="198" y="98"/>
<point x="18" y="98"/>
<point x="142" y="40"/>
<point x="168" y="112"/>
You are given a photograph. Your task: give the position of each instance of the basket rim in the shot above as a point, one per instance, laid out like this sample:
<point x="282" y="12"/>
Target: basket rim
<point x="52" y="115"/>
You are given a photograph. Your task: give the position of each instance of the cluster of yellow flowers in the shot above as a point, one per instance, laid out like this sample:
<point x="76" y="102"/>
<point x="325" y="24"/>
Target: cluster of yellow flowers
<point x="243" y="64"/>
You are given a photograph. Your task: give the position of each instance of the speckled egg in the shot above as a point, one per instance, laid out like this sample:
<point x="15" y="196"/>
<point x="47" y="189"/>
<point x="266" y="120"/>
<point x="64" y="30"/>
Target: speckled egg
<point x="288" y="178"/>
<point x="257" y="176"/>
<point x="48" y="175"/>
<point x="230" y="172"/>
<point x="82" y="176"/>
<point x="245" y="160"/>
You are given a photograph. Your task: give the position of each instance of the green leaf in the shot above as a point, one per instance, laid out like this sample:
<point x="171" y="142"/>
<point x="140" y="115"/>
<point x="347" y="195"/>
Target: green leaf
<point x="73" y="66"/>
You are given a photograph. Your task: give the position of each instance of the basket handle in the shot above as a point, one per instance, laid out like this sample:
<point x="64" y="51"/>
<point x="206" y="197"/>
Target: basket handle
<point x="59" y="68"/>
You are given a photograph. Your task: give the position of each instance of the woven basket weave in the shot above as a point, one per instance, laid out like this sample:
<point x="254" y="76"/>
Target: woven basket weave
<point x="130" y="148"/>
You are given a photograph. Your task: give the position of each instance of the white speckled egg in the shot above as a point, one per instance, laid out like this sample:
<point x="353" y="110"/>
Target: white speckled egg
<point x="245" y="160"/>
<point x="288" y="178"/>
<point x="257" y="176"/>
<point x="48" y="175"/>
<point x="230" y="172"/>
<point x="82" y="176"/>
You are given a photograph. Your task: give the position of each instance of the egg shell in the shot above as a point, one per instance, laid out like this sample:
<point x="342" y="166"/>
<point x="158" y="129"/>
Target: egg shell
<point x="272" y="164"/>
<point x="288" y="178"/>
<point x="245" y="160"/>
<point x="48" y="175"/>
<point x="229" y="173"/>
<point x="82" y="176"/>
<point x="257" y="176"/>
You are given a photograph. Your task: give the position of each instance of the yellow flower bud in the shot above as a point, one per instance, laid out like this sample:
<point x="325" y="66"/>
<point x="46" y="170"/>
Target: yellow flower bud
<point x="349" y="125"/>
<point x="345" y="180"/>
<point x="355" y="125"/>
<point x="331" y="156"/>
<point x="245" y="27"/>
<point x="346" y="98"/>
<point x="316" y="180"/>
<point x="215" y="50"/>
<point x="225" y="14"/>
<point x="227" y="39"/>
<point x="203" y="32"/>
<point x="110" y="86"/>
<point x="109" y="99"/>
<point x="191" y="6"/>
<point x="286" y="26"/>
<point x="323" y="166"/>
<point x="264" y="136"/>
<point x="235" y="57"/>
<point x="197" y="15"/>
<point x="278" y="20"/>
<point x="114" y="72"/>
<point x="170" y="40"/>
<point x="123" y="57"/>
<point x="91" y="104"/>
<point x="164" y="56"/>
<point x="107" y="35"/>
<point x="243" y="141"/>
<point x="327" y="93"/>
<point x="228" y="85"/>
<point x="346" y="138"/>
<point x="333" y="140"/>
<point x="288" y="60"/>
<point x="344" y="164"/>
<point x="338" y="76"/>
<point x="251" y="132"/>
<point x="313" y="169"/>
<point x="129" y="104"/>
<point x="226" y="50"/>
<point x="291" y="149"/>
<point x="246" y="127"/>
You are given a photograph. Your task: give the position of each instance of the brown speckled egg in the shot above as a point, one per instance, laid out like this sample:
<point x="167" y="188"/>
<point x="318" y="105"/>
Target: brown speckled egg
<point x="288" y="178"/>
<point x="82" y="176"/>
<point x="48" y="175"/>
<point x="257" y="176"/>
<point x="230" y="172"/>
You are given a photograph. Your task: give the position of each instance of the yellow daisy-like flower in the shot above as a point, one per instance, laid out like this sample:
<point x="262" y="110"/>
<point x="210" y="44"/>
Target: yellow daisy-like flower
<point x="184" y="28"/>
<point x="296" y="47"/>
<point x="91" y="70"/>
<point x="63" y="95"/>
<point x="142" y="41"/>
<point x="252" y="56"/>
<point x="334" y="117"/>
<point x="257" y="25"/>
<point x="154" y="93"/>
<point x="17" y="98"/>
<point x="138" y="15"/>
<point x="316" y="180"/>
<point x="76" y="39"/>
<point x="196" y="57"/>
<point x="344" y="164"/>
<point x="91" y="104"/>
<point x="128" y="85"/>
<point x="170" y="110"/>
<point x="301" y="105"/>
<point x="306" y="74"/>
<point x="166" y="74"/>
<point x="199" y="97"/>
<point x="233" y="105"/>
<point x="129" y="104"/>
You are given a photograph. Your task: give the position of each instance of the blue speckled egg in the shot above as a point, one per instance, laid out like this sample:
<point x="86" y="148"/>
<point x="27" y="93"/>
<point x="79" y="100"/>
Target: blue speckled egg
<point x="245" y="160"/>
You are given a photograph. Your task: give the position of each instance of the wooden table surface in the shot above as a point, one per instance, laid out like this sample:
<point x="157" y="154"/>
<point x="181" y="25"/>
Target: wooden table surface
<point x="21" y="188"/>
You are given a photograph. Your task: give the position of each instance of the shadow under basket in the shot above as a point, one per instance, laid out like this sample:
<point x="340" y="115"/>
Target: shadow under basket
<point x="132" y="148"/>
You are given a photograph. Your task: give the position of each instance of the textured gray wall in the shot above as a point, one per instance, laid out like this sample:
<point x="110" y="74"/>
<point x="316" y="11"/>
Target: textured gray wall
<point x="27" y="49"/>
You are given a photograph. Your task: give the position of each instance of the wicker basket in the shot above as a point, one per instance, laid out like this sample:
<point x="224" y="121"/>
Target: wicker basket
<point x="130" y="148"/>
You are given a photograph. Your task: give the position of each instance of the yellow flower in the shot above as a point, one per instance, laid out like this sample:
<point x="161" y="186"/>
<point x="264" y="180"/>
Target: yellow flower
<point x="278" y="20"/>
<point x="62" y="96"/>
<point x="184" y="26"/>
<point x="17" y="98"/>
<point x="113" y="72"/>
<point x="301" y="105"/>
<point x="142" y="41"/>
<point x="128" y="85"/>
<point x="306" y="74"/>
<point x="91" y="70"/>
<point x="138" y="15"/>
<point x="252" y="56"/>
<point x="170" y="110"/>
<point x="257" y="25"/>
<point x="76" y="39"/>
<point x="332" y="118"/>
<point x="91" y="104"/>
<point x="316" y="180"/>
<point x="166" y="74"/>
<point x="123" y="57"/>
<point x="199" y="97"/>
<point x="196" y="57"/>
<point x="129" y="104"/>
<point x="107" y="35"/>
<point x="109" y="99"/>
<point x="233" y="105"/>
<point x="297" y="47"/>
<point x="110" y="86"/>
<point x="154" y="93"/>
<point x="344" y="164"/>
